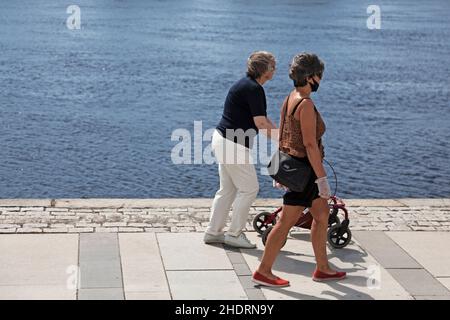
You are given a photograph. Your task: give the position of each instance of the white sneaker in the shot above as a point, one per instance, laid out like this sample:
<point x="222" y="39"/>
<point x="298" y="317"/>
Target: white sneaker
<point x="209" y="238"/>
<point x="240" y="241"/>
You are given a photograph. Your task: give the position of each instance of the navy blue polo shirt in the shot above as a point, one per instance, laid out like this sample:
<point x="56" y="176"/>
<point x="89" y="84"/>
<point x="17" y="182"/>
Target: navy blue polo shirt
<point x="246" y="99"/>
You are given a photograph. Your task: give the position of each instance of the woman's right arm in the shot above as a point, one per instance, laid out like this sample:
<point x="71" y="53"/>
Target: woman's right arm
<point x="308" y="125"/>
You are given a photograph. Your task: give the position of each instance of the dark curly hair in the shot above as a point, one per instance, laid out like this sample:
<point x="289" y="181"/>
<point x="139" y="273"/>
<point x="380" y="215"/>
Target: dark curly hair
<point x="305" y="65"/>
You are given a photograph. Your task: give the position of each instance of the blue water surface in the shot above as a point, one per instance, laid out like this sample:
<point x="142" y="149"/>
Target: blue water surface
<point x="90" y="112"/>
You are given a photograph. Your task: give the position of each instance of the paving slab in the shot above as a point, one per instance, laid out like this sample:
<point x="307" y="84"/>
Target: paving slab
<point x="25" y="202"/>
<point x="419" y="282"/>
<point x="187" y="251"/>
<point x="445" y="282"/>
<point x="101" y="294"/>
<point x="373" y="203"/>
<point x="100" y="261"/>
<point x="148" y="296"/>
<point x="255" y="294"/>
<point x="430" y="249"/>
<point x="36" y="293"/>
<point x="205" y="285"/>
<point x="247" y="283"/>
<point x="366" y="278"/>
<point x="432" y="298"/>
<point x="142" y="268"/>
<point x="386" y="251"/>
<point x="199" y="202"/>
<point x="34" y="266"/>
<point x="267" y="202"/>
<point x="235" y="257"/>
<point x="133" y="203"/>
<point x="242" y="269"/>
<point x="441" y="202"/>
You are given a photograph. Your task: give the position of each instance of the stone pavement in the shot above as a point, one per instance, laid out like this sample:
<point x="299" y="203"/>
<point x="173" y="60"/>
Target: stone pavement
<point x="147" y="265"/>
<point x="191" y="215"/>
<point x="153" y="249"/>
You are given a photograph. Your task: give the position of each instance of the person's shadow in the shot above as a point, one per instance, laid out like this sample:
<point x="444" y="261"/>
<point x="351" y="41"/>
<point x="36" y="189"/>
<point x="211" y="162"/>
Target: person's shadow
<point x="287" y="264"/>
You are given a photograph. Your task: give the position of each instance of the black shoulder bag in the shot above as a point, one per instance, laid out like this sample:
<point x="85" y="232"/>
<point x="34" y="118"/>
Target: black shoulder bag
<point x="286" y="169"/>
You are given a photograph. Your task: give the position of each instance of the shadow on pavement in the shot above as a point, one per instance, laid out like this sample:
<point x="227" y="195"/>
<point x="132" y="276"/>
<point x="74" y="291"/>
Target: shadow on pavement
<point x="287" y="264"/>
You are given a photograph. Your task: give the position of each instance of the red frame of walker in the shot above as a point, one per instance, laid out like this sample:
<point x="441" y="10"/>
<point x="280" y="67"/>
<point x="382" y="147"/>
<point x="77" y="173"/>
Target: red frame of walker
<point x="306" y="219"/>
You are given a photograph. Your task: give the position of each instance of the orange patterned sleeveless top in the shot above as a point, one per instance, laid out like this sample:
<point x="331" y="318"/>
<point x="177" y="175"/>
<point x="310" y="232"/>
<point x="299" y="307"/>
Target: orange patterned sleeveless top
<point x="291" y="138"/>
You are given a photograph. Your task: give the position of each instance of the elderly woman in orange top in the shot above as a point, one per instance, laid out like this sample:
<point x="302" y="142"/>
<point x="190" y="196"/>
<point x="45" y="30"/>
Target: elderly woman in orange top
<point x="301" y="138"/>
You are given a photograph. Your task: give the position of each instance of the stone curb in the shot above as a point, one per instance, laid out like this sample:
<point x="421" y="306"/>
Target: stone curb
<point x="192" y="215"/>
<point x="201" y="202"/>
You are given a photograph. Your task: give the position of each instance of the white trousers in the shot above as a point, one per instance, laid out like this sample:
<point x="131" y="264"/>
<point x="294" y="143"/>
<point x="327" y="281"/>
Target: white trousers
<point x="238" y="187"/>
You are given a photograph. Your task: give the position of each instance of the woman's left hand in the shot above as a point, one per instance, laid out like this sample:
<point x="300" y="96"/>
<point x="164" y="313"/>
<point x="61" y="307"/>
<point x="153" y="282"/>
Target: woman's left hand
<point x="324" y="187"/>
<point x="279" y="186"/>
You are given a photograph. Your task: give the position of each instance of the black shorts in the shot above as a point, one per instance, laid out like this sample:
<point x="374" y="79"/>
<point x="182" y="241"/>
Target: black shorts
<point x="306" y="197"/>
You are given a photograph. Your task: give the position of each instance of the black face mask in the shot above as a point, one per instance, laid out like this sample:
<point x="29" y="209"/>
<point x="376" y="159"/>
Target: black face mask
<point x="314" y="86"/>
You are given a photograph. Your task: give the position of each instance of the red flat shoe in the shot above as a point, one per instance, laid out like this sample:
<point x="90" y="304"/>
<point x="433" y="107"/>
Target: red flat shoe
<point x="322" y="276"/>
<point x="262" y="280"/>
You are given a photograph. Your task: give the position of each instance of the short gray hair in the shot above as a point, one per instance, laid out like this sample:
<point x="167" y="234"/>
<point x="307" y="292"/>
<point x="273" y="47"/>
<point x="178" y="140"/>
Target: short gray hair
<point x="258" y="63"/>
<point x="305" y="65"/>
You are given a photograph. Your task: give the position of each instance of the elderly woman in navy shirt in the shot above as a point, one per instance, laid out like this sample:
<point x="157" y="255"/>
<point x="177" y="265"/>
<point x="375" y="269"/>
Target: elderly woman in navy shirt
<point x="244" y="114"/>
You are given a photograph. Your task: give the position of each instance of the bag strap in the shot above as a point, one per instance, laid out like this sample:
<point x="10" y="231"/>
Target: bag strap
<point x="283" y="114"/>
<point x="283" y="118"/>
<point x="295" y="108"/>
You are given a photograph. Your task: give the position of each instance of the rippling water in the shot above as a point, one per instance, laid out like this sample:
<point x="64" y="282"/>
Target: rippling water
<point x="90" y="112"/>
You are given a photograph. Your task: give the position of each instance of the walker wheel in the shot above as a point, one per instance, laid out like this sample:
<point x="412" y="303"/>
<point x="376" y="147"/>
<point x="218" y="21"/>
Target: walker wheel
<point x="338" y="237"/>
<point x="265" y="235"/>
<point x="259" y="222"/>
